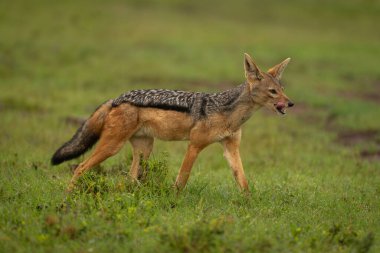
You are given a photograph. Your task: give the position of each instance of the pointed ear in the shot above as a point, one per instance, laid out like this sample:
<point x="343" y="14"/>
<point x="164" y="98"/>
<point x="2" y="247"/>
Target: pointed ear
<point x="252" y="72"/>
<point x="277" y="70"/>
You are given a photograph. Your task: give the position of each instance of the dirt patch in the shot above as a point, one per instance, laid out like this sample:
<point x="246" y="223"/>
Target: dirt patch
<point x="351" y="138"/>
<point x="362" y="139"/>
<point x="370" y="155"/>
<point x="372" y="95"/>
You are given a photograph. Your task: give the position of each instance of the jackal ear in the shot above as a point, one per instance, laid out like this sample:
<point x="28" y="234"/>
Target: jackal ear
<point x="277" y="70"/>
<point x="252" y="72"/>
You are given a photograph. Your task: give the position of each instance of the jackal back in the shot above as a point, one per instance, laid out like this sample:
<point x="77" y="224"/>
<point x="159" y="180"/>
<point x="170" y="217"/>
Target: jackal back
<point x="198" y="104"/>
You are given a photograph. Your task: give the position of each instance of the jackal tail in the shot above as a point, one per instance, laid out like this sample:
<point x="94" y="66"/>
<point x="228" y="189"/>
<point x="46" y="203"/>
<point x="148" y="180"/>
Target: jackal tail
<point x="85" y="137"/>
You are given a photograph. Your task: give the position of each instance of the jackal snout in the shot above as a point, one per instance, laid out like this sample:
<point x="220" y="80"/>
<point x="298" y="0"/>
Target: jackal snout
<point x="281" y="103"/>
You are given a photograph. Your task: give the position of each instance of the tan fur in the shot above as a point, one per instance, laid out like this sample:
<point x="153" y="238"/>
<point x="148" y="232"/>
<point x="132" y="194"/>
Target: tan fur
<point x="95" y="122"/>
<point x="142" y="147"/>
<point x="141" y="125"/>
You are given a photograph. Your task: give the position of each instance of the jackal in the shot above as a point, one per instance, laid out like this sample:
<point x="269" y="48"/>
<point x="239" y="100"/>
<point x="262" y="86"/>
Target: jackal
<point x="200" y="118"/>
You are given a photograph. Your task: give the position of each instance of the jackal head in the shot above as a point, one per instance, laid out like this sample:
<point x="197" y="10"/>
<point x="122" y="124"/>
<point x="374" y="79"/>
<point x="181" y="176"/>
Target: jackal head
<point x="265" y="87"/>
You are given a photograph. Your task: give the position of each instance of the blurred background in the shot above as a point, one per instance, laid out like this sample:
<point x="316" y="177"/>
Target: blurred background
<point x="60" y="59"/>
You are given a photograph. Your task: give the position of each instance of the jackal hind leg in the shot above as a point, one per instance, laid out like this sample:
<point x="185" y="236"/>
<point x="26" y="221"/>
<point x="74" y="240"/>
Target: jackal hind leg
<point x="142" y="147"/>
<point x="115" y="133"/>
<point x="232" y="154"/>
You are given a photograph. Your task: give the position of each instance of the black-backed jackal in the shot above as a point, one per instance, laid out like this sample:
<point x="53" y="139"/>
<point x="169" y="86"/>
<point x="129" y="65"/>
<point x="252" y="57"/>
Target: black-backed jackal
<point x="200" y="118"/>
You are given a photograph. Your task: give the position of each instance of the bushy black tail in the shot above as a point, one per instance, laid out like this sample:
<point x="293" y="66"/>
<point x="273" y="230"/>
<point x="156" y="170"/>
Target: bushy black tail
<point x="83" y="140"/>
<point x="85" y="137"/>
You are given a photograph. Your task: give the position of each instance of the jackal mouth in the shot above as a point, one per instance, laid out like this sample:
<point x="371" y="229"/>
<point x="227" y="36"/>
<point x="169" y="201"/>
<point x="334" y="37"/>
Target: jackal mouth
<point x="280" y="109"/>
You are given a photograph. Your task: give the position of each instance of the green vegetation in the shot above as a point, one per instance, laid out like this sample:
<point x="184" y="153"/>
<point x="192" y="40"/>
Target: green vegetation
<point x="314" y="173"/>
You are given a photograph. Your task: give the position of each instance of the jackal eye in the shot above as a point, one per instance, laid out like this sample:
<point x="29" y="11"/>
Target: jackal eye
<point x="273" y="91"/>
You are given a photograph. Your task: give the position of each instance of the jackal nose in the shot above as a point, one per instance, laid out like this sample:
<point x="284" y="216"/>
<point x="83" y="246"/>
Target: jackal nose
<point x="290" y="104"/>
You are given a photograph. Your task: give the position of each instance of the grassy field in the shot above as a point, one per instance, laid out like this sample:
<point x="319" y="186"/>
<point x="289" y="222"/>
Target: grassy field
<point x="314" y="174"/>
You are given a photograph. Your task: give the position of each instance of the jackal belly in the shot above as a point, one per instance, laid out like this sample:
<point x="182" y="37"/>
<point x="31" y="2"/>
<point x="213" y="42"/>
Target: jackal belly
<point x="164" y="124"/>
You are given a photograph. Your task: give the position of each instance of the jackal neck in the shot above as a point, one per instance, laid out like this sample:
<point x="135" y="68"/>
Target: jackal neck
<point x="243" y="108"/>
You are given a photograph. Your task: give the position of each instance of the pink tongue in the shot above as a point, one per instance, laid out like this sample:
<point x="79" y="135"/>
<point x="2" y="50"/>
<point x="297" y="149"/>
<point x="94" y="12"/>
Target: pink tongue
<point x="280" y="105"/>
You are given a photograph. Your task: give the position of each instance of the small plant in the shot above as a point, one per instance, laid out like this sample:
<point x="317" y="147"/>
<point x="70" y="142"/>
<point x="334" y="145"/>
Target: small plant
<point x="93" y="182"/>
<point x="154" y="179"/>
<point x="155" y="172"/>
<point x="348" y="237"/>
<point x="201" y="236"/>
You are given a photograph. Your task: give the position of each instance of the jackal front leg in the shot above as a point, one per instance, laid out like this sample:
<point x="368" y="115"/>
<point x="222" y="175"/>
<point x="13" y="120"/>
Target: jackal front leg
<point x="184" y="173"/>
<point x="231" y="146"/>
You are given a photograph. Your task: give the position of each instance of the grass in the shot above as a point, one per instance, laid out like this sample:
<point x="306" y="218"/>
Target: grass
<point x="313" y="190"/>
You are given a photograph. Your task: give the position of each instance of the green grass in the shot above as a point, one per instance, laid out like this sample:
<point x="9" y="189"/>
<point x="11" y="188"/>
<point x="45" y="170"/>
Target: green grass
<point x="312" y="191"/>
